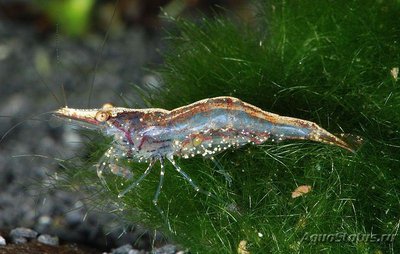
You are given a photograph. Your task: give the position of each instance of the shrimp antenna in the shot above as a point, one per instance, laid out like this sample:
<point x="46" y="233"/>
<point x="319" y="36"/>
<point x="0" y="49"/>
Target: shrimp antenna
<point x="47" y="86"/>
<point x="21" y="122"/>
<point x="100" y="53"/>
<point x="58" y="64"/>
<point x="29" y="62"/>
<point x="64" y="95"/>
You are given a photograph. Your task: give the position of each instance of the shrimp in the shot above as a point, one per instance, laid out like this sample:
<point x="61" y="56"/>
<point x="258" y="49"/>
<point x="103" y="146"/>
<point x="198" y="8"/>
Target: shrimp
<point x="206" y="127"/>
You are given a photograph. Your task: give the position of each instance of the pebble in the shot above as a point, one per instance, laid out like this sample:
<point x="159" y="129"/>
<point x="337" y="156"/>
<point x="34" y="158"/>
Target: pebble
<point x="2" y="241"/>
<point x="19" y="240"/>
<point x="166" y="249"/>
<point x="23" y="233"/>
<point x="48" y="240"/>
<point x="124" y="249"/>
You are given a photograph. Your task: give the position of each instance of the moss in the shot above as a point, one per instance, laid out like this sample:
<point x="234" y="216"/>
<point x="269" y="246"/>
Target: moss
<point x="324" y="61"/>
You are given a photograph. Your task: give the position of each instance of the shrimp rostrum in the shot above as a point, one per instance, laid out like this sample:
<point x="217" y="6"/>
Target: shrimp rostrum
<point x="204" y="128"/>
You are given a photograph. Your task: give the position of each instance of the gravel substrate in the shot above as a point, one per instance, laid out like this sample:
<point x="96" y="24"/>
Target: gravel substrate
<point x="29" y="68"/>
<point x="26" y="240"/>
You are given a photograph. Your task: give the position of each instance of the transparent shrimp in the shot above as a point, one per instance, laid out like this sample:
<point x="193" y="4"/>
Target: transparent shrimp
<point x="204" y="128"/>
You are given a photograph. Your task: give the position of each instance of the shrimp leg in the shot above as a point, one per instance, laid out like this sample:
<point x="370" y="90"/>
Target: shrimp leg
<point x="137" y="182"/>
<point x="100" y="170"/>
<point x="160" y="183"/>
<point x="103" y="163"/>
<point x="187" y="178"/>
<point x="110" y="160"/>
<point x="226" y="175"/>
<point x="157" y="194"/>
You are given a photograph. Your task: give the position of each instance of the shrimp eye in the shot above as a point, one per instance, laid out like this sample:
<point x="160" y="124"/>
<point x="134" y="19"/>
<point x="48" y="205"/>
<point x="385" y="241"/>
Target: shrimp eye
<point x="107" y="106"/>
<point x="102" y="116"/>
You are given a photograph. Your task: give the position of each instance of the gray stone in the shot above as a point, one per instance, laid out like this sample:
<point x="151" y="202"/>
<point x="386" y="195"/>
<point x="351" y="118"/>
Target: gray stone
<point x="166" y="249"/>
<point x="19" y="240"/>
<point x="48" y="240"/>
<point x="124" y="249"/>
<point x="23" y="233"/>
<point x="2" y="241"/>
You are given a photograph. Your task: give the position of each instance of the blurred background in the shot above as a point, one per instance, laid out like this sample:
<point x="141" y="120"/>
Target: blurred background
<point x="75" y="53"/>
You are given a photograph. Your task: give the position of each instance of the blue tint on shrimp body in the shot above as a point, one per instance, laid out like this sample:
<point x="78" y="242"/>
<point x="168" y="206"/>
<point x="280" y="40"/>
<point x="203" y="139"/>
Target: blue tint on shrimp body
<point x="205" y="133"/>
<point x="237" y="122"/>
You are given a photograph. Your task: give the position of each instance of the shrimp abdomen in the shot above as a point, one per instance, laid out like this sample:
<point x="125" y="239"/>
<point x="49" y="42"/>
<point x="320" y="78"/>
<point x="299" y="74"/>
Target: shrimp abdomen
<point x="223" y="122"/>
